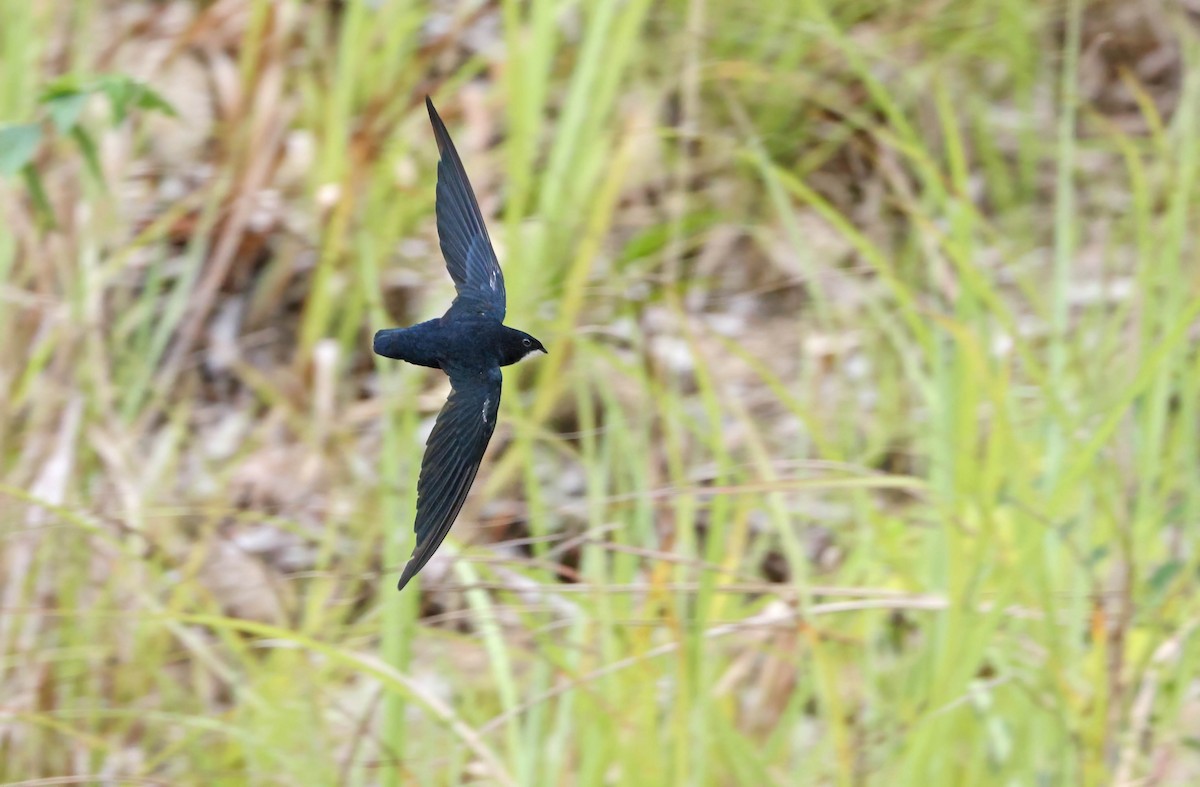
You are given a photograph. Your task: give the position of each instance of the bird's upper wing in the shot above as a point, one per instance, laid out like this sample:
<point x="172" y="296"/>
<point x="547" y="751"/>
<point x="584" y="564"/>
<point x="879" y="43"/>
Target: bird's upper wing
<point x="465" y="244"/>
<point x="452" y="456"/>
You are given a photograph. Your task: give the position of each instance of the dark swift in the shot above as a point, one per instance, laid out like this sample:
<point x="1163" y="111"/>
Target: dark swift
<point x="469" y="343"/>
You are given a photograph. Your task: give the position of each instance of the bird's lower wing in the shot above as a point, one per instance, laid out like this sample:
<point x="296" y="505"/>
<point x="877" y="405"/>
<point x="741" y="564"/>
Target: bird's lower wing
<point x="452" y="456"/>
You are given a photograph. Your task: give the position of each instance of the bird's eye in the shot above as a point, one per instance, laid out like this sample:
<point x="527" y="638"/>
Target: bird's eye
<point x="526" y="342"/>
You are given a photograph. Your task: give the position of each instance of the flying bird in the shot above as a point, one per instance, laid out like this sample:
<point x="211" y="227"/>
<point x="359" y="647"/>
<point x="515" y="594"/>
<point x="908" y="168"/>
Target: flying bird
<point x="470" y="342"/>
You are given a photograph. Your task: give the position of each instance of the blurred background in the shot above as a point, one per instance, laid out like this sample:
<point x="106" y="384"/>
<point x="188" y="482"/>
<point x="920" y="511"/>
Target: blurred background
<point x="866" y="451"/>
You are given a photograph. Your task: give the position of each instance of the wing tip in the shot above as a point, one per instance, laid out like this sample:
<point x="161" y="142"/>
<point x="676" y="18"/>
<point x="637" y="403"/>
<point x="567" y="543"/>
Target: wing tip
<point x="439" y="128"/>
<point x="406" y="577"/>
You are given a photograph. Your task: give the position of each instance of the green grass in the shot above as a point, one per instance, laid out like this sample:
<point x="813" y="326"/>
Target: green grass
<point x="867" y="438"/>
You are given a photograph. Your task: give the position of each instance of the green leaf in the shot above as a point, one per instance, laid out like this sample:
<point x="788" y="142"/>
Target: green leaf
<point x="66" y="85"/>
<point x="1098" y="555"/>
<point x="65" y="110"/>
<point x="152" y="100"/>
<point x="37" y="193"/>
<point x="124" y="94"/>
<point x="18" y="146"/>
<point x="1163" y="576"/>
<point x="119" y="91"/>
<point x="656" y="238"/>
<point x="88" y="148"/>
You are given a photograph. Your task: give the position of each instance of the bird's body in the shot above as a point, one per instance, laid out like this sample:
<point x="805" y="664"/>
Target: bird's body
<point x="470" y="343"/>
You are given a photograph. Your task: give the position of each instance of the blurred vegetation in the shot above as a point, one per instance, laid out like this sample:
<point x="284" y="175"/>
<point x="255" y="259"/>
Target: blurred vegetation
<point x="866" y="450"/>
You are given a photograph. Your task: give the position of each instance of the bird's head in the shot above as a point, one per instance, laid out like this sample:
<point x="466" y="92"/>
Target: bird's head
<point x="516" y="345"/>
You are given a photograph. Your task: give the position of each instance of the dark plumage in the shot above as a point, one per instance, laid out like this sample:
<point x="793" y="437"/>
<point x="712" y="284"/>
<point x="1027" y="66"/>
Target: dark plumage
<point x="469" y="343"/>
